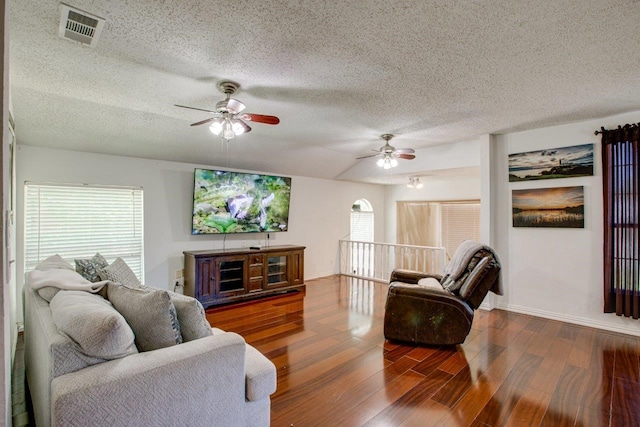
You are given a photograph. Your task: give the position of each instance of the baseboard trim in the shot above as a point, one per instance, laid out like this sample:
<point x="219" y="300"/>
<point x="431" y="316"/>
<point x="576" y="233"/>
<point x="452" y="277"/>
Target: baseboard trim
<point x="572" y="319"/>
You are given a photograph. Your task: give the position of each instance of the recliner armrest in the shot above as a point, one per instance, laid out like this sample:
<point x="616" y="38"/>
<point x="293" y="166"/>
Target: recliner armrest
<point x="410" y="276"/>
<point x="437" y="296"/>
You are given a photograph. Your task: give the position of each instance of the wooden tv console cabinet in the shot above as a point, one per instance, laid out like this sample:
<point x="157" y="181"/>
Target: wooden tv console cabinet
<point x="228" y="275"/>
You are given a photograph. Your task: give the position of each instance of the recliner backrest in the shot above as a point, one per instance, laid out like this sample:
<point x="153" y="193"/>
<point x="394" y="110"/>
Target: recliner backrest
<point x="480" y="281"/>
<point x="478" y="277"/>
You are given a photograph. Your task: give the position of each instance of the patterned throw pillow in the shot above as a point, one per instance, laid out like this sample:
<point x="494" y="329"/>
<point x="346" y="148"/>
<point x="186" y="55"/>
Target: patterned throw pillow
<point x="89" y="268"/>
<point x="118" y="271"/>
<point x="150" y="313"/>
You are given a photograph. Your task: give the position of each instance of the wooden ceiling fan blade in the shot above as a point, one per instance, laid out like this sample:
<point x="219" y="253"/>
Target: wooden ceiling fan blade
<point x="210" y="119"/>
<point x="405" y="151"/>
<point x="261" y="118"/>
<point x="194" y="108"/>
<point x="406" y="156"/>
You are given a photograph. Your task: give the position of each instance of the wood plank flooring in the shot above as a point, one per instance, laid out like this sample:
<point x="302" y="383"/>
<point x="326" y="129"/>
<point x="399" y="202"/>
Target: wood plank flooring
<point x="336" y="369"/>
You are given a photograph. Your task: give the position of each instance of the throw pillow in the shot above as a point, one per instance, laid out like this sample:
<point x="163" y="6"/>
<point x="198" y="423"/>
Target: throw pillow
<point x="191" y="316"/>
<point x="54" y="261"/>
<point x="119" y="272"/>
<point x="89" y="267"/>
<point x="150" y="313"/>
<point x="93" y="323"/>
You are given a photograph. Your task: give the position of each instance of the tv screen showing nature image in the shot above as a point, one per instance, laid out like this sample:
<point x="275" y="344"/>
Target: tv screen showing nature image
<point x="235" y="202"/>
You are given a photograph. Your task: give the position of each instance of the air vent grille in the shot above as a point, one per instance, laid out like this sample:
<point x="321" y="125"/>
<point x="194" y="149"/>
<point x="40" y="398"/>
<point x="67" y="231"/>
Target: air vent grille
<point x="79" y="26"/>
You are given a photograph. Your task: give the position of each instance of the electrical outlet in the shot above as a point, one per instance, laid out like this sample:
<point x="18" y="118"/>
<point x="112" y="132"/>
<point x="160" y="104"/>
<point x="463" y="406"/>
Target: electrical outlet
<point x="179" y="274"/>
<point x="179" y="286"/>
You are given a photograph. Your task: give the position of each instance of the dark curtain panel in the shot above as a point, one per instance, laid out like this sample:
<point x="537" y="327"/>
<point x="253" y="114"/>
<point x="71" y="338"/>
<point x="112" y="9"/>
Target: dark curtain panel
<point x="621" y="181"/>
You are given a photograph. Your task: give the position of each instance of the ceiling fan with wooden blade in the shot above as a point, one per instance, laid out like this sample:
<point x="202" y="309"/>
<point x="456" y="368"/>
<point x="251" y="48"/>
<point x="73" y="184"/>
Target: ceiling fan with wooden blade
<point x="228" y="118"/>
<point x="388" y="153"/>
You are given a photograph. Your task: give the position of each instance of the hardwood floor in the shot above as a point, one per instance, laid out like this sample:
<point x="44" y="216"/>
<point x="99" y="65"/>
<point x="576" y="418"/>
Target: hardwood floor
<point x="336" y="369"/>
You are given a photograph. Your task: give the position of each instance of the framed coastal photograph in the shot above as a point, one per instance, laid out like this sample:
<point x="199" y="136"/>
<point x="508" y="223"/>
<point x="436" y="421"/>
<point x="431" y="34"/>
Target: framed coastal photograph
<point x="565" y="162"/>
<point x="560" y="207"/>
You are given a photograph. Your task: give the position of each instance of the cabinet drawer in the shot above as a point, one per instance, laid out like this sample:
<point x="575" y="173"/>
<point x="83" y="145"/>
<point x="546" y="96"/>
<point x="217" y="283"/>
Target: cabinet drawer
<point x="256" y="259"/>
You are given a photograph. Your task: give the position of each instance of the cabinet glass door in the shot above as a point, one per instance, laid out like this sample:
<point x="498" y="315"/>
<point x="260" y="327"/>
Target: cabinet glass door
<point x="231" y="276"/>
<point x="276" y="270"/>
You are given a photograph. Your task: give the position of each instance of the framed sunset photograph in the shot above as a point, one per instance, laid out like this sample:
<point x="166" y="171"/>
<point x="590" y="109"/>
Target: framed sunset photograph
<point x="559" y="207"/>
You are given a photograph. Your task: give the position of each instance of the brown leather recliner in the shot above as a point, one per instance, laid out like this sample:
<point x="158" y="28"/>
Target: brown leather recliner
<point x="436" y="309"/>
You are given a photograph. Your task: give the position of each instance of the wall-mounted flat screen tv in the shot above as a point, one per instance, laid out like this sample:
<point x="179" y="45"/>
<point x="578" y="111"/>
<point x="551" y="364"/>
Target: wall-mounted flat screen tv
<point x="235" y="202"/>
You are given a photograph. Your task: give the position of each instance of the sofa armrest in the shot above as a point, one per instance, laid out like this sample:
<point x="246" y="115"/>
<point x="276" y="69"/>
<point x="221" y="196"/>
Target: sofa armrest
<point x="184" y="384"/>
<point x="410" y="276"/>
<point x="261" y="375"/>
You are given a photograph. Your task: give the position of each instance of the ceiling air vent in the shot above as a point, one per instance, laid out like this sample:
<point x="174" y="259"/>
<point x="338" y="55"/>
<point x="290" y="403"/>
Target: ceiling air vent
<point x="79" y="26"/>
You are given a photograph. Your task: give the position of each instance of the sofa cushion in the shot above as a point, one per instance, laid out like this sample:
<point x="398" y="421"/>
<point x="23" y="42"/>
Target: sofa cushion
<point x="118" y="271"/>
<point x="93" y="323"/>
<point x="54" y="261"/>
<point x="89" y="267"/>
<point x="191" y="316"/>
<point x="150" y="313"/>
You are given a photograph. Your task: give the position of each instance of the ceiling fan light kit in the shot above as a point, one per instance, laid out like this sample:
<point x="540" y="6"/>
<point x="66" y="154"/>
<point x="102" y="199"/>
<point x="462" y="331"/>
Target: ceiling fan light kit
<point x="387" y="162"/>
<point x="228" y="121"/>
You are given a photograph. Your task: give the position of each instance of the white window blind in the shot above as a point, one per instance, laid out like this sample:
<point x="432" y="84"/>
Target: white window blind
<point x="362" y="226"/>
<point x="460" y="221"/>
<point x="76" y="221"/>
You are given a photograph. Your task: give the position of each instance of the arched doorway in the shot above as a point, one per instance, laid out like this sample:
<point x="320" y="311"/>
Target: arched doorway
<point x="361" y="230"/>
<point x="361" y="221"/>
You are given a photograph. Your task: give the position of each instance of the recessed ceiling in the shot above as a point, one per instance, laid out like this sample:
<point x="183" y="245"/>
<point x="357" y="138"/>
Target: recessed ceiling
<point x="338" y="74"/>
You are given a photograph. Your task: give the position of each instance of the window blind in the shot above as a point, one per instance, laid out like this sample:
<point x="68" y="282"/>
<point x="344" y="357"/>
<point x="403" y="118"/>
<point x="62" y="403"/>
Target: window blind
<point x="460" y="221"/>
<point x="76" y="221"/>
<point x="362" y="226"/>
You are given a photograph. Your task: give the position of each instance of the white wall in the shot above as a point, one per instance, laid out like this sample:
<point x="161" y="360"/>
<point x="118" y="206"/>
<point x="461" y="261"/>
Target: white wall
<point x="555" y="273"/>
<point x="318" y="217"/>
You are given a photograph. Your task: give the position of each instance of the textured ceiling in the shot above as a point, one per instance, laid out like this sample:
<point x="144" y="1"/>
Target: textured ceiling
<point x="337" y="73"/>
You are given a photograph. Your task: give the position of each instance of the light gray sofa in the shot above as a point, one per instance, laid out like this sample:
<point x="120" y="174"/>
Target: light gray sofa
<point x="216" y="380"/>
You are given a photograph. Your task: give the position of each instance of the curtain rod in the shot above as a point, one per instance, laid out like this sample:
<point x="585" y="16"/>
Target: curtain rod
<point x="627" y="126"/>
